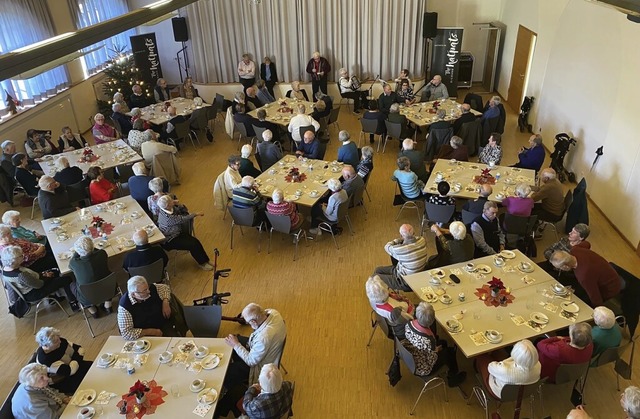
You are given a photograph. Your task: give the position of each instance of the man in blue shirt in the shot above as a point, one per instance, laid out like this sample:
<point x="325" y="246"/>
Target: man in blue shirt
<point x="532" y="157"/>
<point x="309" y="147"/>
<point x="348" y="151"/>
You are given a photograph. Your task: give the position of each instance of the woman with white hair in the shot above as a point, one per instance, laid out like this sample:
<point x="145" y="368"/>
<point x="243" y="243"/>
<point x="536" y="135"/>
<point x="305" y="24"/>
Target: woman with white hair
<point x="428" y="352"/>
<point x="35" y="255"/>
<point x="296" y="92"/>
<point x="70" y="141"/>
<point x="365" y="166"/>
<point x="32" y="285"/>
<point x="102" y="132"/>
<point x="11" y="218"/>
<point x="394" y="307"/>
<point x="67" y="174"/>
<point x="118" y="98"/>
<point x="174" y="228"/>
<point x="278" y="206"/>
<point x="246" y="165"/>
<point x="520" y="204"/>
<point x="349" y="90"/>
<point x="573" y="349"/>
<point x="454" y="245"/>
<point x="64" y="360"/>
<point x="329" y="213"/>
<point x="630" y="402"/>
<point x="606" y="333"/>
<point x="271" y="398"/>
<point x="34" y="398"/>
<point x="137" y="136"/>
<point x="89" y="265"/>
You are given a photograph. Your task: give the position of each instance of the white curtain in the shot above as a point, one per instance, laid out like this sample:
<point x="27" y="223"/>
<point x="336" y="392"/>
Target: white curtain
<point x="368" y="37"/>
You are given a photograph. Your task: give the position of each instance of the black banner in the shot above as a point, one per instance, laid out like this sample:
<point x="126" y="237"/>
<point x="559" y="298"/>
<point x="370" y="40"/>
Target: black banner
<point x="445" y="57"/>
<point x="146" y="57"/>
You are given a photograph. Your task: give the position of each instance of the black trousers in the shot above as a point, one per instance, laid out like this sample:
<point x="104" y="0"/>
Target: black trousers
<point x="246" y="83"/>
<point x="186" y="241"/>
<point x="358" y="97"/>
<point x="50" y="286"/>
<point x="319" y="85"/>
<point x="270" y="85"/>
<point x="235" y="382"/>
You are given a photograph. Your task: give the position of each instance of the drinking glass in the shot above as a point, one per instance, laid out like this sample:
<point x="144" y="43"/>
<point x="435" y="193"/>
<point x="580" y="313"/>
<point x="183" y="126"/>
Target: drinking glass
<point x="477" y="314"/>
<point x="175" y="390"/>
<point x="530" y="304"/>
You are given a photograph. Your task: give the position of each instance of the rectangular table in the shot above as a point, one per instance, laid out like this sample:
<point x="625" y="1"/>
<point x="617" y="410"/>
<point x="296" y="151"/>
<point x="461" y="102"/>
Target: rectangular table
<point x="118" y="381"/>
<point x="115" y="153"/>
<point x="462" y="174"/>
<point x="122" y="219"/>
<point x="156" y="115"/>
<point x="420" y="115"/>
<point x="479" y="317"/>
<point x="283" y="118"/>
<point x="317" y="173"/>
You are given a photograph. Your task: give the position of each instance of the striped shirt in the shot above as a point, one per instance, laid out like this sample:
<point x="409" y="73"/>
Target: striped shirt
<point x="244" y="197"/>
<point x="411" y="254"/>
<point x="171" y="223"/>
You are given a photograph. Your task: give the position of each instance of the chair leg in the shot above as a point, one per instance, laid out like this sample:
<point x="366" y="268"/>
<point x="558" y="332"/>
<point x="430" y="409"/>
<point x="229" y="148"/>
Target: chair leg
<point x="482" y="399"/>
<point x="367" y="192"/>
<point x="373" y="331"/>
<point x="86" y="319"/>
<point x="260" y="236"/>
<point x="349" y="224"/>
<point x="35" y="319"/>
<point x="33" y="206"/>
<point x="233" y="224"/>
<point x="269" y="246"/>
<point x="439" y="381"/>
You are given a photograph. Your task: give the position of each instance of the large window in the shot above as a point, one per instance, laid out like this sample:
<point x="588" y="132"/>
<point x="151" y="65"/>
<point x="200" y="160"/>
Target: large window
<point x="91" y="12"/>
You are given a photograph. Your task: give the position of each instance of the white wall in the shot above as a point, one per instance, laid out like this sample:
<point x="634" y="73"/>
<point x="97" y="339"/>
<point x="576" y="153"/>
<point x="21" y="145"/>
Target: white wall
<point x="584" y="76"/>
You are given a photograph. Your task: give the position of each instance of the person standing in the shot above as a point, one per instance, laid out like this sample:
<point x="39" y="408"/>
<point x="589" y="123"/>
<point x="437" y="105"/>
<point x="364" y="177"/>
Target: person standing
<point x="319" y="68"/>
<point x="247" y="72"/>
<point x="269" y="74"/>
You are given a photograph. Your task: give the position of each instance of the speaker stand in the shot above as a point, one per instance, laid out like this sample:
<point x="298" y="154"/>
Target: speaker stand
<point x="185" y="59"/>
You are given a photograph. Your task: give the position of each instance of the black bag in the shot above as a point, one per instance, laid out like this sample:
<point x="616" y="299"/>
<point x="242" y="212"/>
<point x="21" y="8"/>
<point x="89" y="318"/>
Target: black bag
<point x="19" y="308"/>
<point x="394" y="370"/>
<point x="576" y="395"/>
<point x="397" y="200"/>
<point x="209" y="134"/>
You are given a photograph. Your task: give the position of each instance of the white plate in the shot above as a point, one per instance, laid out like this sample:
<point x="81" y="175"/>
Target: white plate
<point x="101" y="244"/>
<point x="569" y="307"/>
<point x="202" y="355"/>
<point x="437" y="273"/>
<point x="56" y="221"/>
<point x="143" y="350"/>
<point x="539" y="318"/>
<point x="483" y="269"/>
<point x="135" y="215"/>
<point x="291" y="198"/>
<point x="65" y="255"/>
<point x="524" y="269"/>
<point x="205" y="391"/>
<point x="129" y="243"/>
<point x="210" y="362"/>
<point x="85" y="397"/>
<point x="90" y="414"/>
<point x="507" y="254"/>
<point x="500" y="197"/>
<point x="498" y="261"/>
<point x="187" y="347"/>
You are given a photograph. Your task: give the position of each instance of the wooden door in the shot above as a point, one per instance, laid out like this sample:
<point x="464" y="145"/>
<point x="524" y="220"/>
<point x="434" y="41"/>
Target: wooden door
<point x="519" y="71"/>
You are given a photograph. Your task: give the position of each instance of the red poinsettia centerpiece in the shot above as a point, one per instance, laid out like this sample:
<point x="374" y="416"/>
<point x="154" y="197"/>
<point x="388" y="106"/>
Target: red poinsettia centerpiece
<point x="494" y="293"/>
<point x="485" y="177"/>
<point x="138" y="389"/>
<point x="97" y="222"/>
<point x="294" y="175"/>
<point x="496" y="285"/>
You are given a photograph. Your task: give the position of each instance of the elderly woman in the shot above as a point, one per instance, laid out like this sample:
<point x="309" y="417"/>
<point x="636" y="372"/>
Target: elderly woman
<point x="156" y="185"/>
<point x="442" y="198"/>
<point x="365" y="167"/>
<point x="232" y="176"/>
<point x="270" y="397"/>
<point x="320" y="110"/>
<point x="405" y="93"/>
<point x="11" y="218"/>
<point x="522" y="368"/>
<point x="428" y="352"/>
<point x="70" y="141"/>
<point x="101" y="189"/>
<point x="187" y="90"/>
<point x="454" y="245"/>
<point x="606" y="333"/>
<point x="520" y="204"/>
<point x="89" y="265"/>
<point x="34" y="398"/>
<point x="532" y="157"/>
<point x="246" y="166"/>
<point x="32" y="285"/>
<point x="37" y="144"/>
<point x="102" y="132"/>
<point x="119" y="99"/>
<point x="574" y="349"/>
<point x="395" y="308"/>
<point x="492" y="152"/>
<point x="328" y="213"/>
<point x="64" y="360"/>
<point x="67" y="174"/>
<point x="454" y="150"/>
<point x="138" y="135"/>
<point x="178" y="237"/>
<point x="296" y="92"/>
<point x="577" y="237"/>
<point x="136" y="114"/>
<point x="409" y="183"/>
<point x="278" y="206"/>
<point x="25" y="177"/>
<point x="36" y="256"/>
<point x="630" y="402"/>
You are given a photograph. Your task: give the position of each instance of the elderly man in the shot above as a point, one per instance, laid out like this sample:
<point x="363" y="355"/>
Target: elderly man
<point x="454" y="245"/>
<point x="416" y="158"/>
<point x="492" y="110"/>
<point x="351" y="182"/>
<point x="397" y="118"/>
<point x="435" y="90"/>
<point x="410" y="252"/>
<point x="247" y="72"/>
<point x="454" y="150"/>
<point x="577" y="237"/>
<point x="299" y="121"/>
<point x="329" y="213"/>
<point x="138" y="98"/>
<point x="318" y="67"/>
<point x="8" y="150"/>
<point x="557" y="350"/>
<point x="309" y="147"/>
<point x="262" y="122"/>
<point x="492" y="152"/>
<point x="53" y="198"/>
<point x="145" y="310"/>
<point x="465" y="117"/>
<point x="170" y="130"/>
<point x="145" y="253"/>
<point x="348" y="90"/>
<point x="532" y="157"/>
<point x="139" y="185"/>
<point x="270" y="397"/>
<point x="251" y="98"/>
<point x="487" y="235"/>
<point x="348" y="151"/>
<point x="387" y="98"/>
<point x="549" y="197"/>
<point x="152" y="147"/>
<point x="246" y="166"/>
<point x="270" y="153"/>
<point x="231" y="176"/>
<point x="263" y="93"/>
<point x="25" y="177"/>
<point x="70" y="141"/>
<point x="11" y="219"/>
<point x="161" y="92"/>
<point x="122" y="119"/>
<point x="598" y="280"/>
<point x="247" y="196"/>
<point x="477" y="205"/>
<point x="67" y="174"/>
<point x="89" y="265"/>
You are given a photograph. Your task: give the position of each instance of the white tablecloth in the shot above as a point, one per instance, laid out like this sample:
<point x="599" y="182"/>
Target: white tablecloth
<point x="111" y="154"/>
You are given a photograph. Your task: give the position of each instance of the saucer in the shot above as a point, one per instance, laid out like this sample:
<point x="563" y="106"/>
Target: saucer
<point x="527" y="270"/>
<point x="569" y="307"/>
<point x="207" y="396"/>
<point x="199" y="355"/>
<point x="483" y="269"/>
<point x="507" y="254"/>
<point x="437" y="273"/>
<point x="210" y="362"/>
<point x="445" y="300"/>
<point x="145" y="348"/>
<point x="453" y="325"/>
<point x="493" y="336"/>
<point x="166" y="359"/>
<point x="199" y="388"/>
<point x="539" y="318"/>
<point x="89" y="414"/>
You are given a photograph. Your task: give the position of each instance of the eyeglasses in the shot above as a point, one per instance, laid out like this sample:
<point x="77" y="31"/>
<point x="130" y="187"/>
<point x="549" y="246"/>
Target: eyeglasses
<point x="143" y="292"/>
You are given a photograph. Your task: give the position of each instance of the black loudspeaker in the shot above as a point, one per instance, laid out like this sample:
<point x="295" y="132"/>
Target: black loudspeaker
<point x="430" y="25"/>
<point x="180" y="33"/>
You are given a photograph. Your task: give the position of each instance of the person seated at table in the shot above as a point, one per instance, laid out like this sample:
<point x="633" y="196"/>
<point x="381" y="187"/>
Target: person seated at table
<point x="67" y="174"/>
<point x="328" y="101"/>
<point x="187" y="90"/>
<point x="454" y="150"/>
<point x="145" y="310"/>
<point x="576" y="237"/>
<point x="549" y="198"/>
<point x="118" y="116"/>
<point x="405" y="93"/>
<point x="440" y="122"/>
<point x="573" y="349"/>
<point x="24" y="176"/>
<point x="31" y="284"/>
<point x="487" y="235"/>
<point x="296" y="92"/>
<point x="348" y="151"/>
<point x="170" y="132"/>
<point x="172" y="226"/>
<point x="348" y="90"/>
<point x="232" y="177"/>
<point x="465" y="116"/>
<point x="429" y="352"/>
<point x="70" y="141"/>
<point x="161" y="92"/>
<point x="442" y="198"/>
<point x="102" y="132"/>
<point x="374" y="113"/>
<point x="262" y="122"/>
<point x="578" y="412"/>
<point x="410" y="185"/>
<point x="386" y="99"/>
<point x="278" y="206"/>
<point x="309" y="147"/>
<point x="409" y="255"/>
<point x="241" y="117"/>
<point x="36" y="255"/>
<point x="145" y="254"/>
<point x="139" y="185"/>
<point x="395" y="308"/>
<point x="251" y="99"/>
<point x="246" y="165"/>
<point x="247" y="196"/>
<point x="320" y="110"/>
<point x="138" y="99"/>
<point x="365" y="166"/>
<point x="34" y="398"/>
<point x="328" y="213"/>
<point x="136" y="114"/>
<point x="299" y="121"/>
<point x="11" y="219"/>
<point x="476" y="206"/>
<point x="156" y="186"/>
<point x="630" y="402"/>
<point x="64" y="360"/>
<point x="271" y="397"/>
<point x="37" y="145"/>
<point x="492" y="152"/>
<point x="118" y="98"/>
<point x="606" y="333"/>
<point x="269" y="153"/>
<point x="89" y="265"/>
<point x="53" y="198"/>
<point x="435" y="90"/>
<point x="521" y="368"/>
<point x="101" y="189"/>
<point x="520" y="204"/>
<point x="597" y="280"/>
<point x="416" y="158"/>
<point x="8" y="150"/>
<point x="137" y="136"/>
<point x="351" y="182"/>
<point x="532" y="157"/>
<point x="152" y="147"/>
<point x="263" y="94"/>
<point x="397" y="118"/>
<point x="455" y="245"/>
<point x="404" y="75"/>
<point x="492" y="108"/>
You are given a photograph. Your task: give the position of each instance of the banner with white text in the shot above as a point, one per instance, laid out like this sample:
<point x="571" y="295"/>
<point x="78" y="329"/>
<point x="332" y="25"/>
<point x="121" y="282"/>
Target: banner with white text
<point x="445" y="57"/>
<point x="146" y="57"/>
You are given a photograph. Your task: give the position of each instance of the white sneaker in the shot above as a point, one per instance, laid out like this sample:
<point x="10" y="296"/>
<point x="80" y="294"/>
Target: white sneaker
<point x="315" y="231"/>
<point x="206" y="267"/>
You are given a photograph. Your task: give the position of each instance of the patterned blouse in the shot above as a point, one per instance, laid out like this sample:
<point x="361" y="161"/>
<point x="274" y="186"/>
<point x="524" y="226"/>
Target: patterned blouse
<point x="441" y="200"/>
<point x="171" y="223"/>
<point x="488" y="154"/>
<point x="421" y="343"/>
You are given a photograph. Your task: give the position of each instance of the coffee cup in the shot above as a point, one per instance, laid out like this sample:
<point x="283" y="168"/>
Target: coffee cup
<point x="196" y="383"/>
<point x="85" y="412"/>
<point x="461" y="296"/>
<point x="470" y="266"/>
<point x="165" y="355"/>
<point x="492" y="163"/>
<point x="201" y="350"/>
<point x="298" y="192"/>
<point x="105" y="357"/>
<point x="140" y="344"/>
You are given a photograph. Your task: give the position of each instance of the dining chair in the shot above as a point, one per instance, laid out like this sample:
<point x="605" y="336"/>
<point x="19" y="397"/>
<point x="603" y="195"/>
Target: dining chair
<point x="509" y="393"/>
<point x="369" y="126"/>
<point x="377" y="321"/>
<point x="304" y="129"/>
<point x="34" y="198"/>
<point x="521" y="227"/>
<point x="183" y="131"/>
<point x="469" y="217"/>
<point x="244" y="217"/>
<point x="242" y="130"/>
<point x="259" y="131"/>
<point x="212" y="114"/>
<point x="203" y="321"/>
<point x="154" y="272"/>
<point x="440" y="214"/>
<point x="282" y="224"/>
<point x="394" y="130"/>
<point x="279" y="361"/>
<point x="411" y="203"/>
<point x="553" y="222"/>
<point x="199" y="122"/>
<point x="333" y="118"/>
<point x="96" y="293"/>
<point x="567" y="373"/>
<point x="357" y="200"/>
<point x="343" y="214"/>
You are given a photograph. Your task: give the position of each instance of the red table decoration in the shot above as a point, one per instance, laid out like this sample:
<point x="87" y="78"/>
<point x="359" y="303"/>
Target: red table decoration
<point x="485" y="178"/>
<point x="99" y="223"/>
<point x="153" y="398"/>
<point x="294" y="175"/>
<point x="494" y="293"/>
